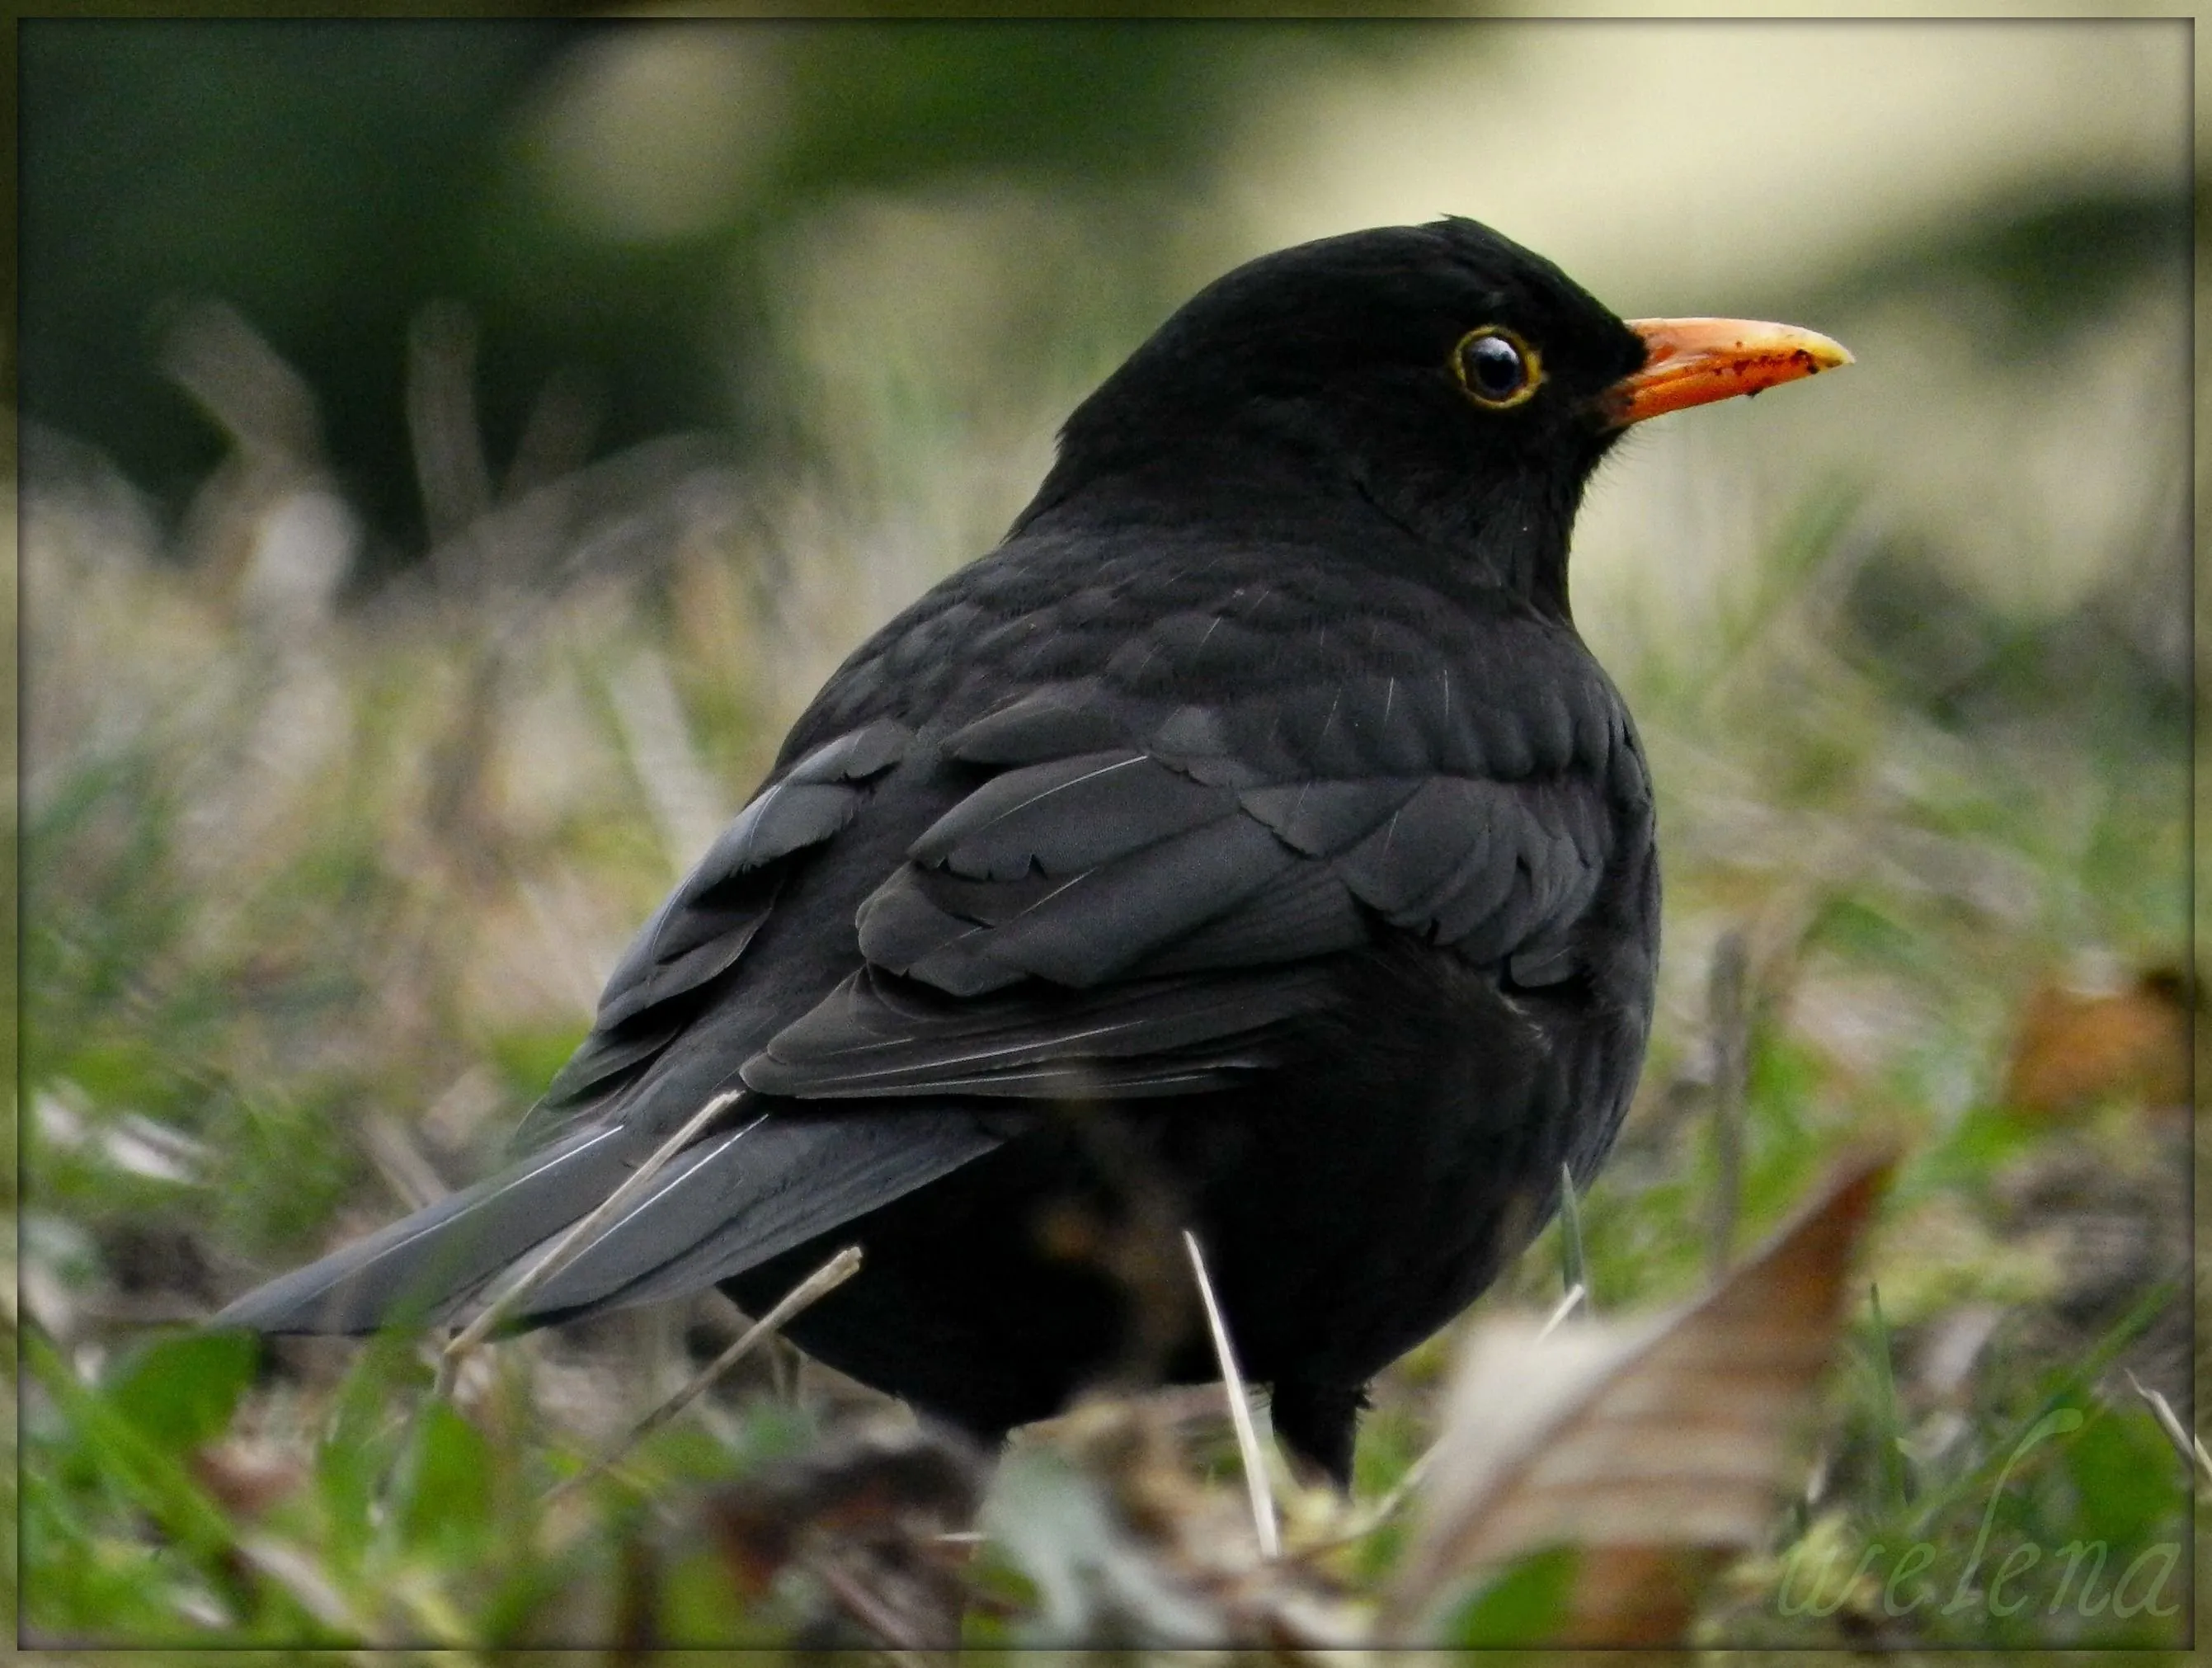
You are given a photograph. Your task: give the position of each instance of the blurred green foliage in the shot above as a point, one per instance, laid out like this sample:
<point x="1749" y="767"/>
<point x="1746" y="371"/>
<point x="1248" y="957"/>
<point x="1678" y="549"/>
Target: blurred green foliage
<point x="329" y="178"/>
<point x="1528" y="1601"/>
<point x="2050" y="266"/>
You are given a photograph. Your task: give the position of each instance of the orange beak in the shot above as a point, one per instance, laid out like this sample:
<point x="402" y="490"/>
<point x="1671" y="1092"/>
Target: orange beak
<point x="1691" y="362"/>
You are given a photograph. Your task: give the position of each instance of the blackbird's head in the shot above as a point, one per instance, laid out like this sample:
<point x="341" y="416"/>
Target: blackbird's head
<point x="1441" y="377"/>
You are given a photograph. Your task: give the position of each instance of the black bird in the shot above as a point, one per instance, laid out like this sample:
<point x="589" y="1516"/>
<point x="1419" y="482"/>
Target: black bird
<point x="1247" y="843"/>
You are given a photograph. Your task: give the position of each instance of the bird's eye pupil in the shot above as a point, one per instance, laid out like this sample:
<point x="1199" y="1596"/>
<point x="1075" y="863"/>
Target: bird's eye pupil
<point x="1494" y="368"/>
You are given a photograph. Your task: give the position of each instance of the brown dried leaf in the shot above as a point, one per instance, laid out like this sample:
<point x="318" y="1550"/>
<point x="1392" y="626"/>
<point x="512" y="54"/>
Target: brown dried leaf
<point x="1645" y="1445"/>
<point x="867" y="1515"/>
<point x="2077" y="1048"/>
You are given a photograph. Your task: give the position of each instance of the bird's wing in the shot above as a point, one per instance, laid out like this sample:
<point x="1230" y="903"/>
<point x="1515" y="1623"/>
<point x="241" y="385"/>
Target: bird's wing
<point x="665" y="978"/>
<point x="1149" y="917"/>
<point x="1096" y="918"/>
<point x="1127" y="897"/>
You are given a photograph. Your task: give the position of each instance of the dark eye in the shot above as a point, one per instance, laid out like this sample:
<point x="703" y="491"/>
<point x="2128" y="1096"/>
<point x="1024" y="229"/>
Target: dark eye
<point x="1496" y="366"/>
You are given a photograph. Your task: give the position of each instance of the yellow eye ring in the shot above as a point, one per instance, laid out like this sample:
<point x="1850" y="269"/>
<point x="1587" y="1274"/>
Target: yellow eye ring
<point x="1495" y="368"/>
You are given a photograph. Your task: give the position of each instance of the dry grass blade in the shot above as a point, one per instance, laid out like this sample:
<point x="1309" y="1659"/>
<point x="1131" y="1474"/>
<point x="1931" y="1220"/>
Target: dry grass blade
<point x="565" y="1248"/>
<point x="688" y="809"/>
<point x="2190" y="1448"/>
<point x="1364" y="1522"/>
<point x="289" y="1568"/>
<point x="1728" y="1005"/>
<point x="1648" y="1446"/>
<point x="1240" y="1408"/>
<point x="864" y="1607"/>
<point x="808" y="1292"/>
<point x="1576" y="1297"/>
<point x="411" y="1176"/>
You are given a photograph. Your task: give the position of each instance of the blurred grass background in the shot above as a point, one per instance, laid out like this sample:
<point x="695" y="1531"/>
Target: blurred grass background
<point x="452" y="453"/>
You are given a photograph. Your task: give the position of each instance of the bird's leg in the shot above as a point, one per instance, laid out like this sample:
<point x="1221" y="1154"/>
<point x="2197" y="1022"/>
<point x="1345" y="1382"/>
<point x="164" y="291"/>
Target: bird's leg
<point x="1319" y="1423"/>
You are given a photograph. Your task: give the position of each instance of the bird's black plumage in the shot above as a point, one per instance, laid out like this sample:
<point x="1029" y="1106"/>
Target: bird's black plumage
<point x="1251" y="825"/>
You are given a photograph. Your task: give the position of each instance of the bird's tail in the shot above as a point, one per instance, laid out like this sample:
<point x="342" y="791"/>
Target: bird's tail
<point x="738" y="1194"/>
<point x="419" y="1271"/>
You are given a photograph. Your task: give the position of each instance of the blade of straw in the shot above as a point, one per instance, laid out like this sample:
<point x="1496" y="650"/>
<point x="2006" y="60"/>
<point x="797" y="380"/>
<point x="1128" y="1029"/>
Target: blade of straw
<point x="1240" y="1410"/>
<point x="808" y="1292"/>
<point x="565" y="1250"/>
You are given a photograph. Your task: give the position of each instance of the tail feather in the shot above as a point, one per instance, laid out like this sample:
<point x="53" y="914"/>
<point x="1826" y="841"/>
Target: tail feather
<point x="741" y="1198"/>
<point x="418" y="1271"/>
<point x="734" y="1199"/>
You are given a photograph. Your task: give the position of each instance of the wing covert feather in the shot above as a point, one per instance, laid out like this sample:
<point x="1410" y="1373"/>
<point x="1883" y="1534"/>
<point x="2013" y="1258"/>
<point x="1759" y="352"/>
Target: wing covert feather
<point x="878" y="1035"/>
